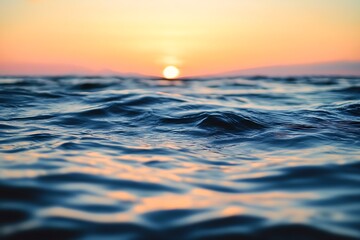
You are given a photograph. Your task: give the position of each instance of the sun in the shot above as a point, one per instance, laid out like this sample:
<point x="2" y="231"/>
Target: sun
<point x="171" y="72"/>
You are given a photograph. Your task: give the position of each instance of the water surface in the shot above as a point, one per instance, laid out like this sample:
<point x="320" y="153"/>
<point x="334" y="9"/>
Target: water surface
<point x="215" y="158"/>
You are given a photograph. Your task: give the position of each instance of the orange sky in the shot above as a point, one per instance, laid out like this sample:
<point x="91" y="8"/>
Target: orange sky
<point x="200" y="37"/>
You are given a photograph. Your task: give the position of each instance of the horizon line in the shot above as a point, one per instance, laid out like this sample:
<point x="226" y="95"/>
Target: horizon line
<point x="245" y="72"/>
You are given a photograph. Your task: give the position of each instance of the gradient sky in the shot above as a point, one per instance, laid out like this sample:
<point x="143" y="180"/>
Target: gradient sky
<point x="200" y="37"/>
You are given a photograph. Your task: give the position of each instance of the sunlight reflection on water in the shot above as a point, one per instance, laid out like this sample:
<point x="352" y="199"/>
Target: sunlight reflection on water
<point x="107" y="157"/>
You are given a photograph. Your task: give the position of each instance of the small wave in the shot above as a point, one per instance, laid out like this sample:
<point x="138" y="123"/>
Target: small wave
<point x="225" y="122"/>
<point x="310" y="177"/>
<point x="351" y="90"/>
<point x="228" y="122"/>
<point x="349" y="108"/>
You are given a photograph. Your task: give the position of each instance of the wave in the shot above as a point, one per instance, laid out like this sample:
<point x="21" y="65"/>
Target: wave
<point x="210" y="158"/>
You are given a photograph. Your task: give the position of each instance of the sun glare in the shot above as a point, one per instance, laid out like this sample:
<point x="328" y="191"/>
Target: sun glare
<point x="171" y="72"/>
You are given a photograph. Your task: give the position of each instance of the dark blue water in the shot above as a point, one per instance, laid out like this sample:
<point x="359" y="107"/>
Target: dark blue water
<point x="220" y="158"/>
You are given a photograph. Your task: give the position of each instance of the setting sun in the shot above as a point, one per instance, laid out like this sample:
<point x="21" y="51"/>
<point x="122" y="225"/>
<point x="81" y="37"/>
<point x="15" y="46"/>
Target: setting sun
<point x="171" y="72"/>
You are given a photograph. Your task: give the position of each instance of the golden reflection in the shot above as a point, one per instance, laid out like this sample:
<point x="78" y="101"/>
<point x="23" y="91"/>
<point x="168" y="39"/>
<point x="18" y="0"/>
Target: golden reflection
<point x="167" y="202"/>
<point x="202" y="198"/>
<point x="85" y="216"/>
<point x="232" y="211"/>
<point x="132" y="168"/>
<point x="8" y="174"/>
<point x="9" y="157"/>
<point x="129" y="167"/>
<point x="122" y="196"/>
<point x="7" y="147"/>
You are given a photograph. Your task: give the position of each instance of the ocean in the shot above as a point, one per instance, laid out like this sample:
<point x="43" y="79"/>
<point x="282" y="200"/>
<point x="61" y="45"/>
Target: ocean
<point x="198" y="158"/>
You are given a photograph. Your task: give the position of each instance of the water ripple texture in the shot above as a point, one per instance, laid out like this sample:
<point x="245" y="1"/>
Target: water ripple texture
<point x="209" y="158"/>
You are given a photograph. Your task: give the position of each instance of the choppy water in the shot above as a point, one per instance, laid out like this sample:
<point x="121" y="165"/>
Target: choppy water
<point x="137" y="158"/>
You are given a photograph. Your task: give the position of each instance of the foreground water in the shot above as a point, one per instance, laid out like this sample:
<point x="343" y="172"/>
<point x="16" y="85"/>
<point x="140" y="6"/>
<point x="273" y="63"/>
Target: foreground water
<point x="137" y="158"/>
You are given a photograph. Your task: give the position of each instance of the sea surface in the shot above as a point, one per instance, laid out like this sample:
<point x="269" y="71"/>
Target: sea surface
<point x="208" y="158"/>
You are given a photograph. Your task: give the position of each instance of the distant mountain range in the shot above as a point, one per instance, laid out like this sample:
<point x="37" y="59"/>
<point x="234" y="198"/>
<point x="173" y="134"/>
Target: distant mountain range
<point x="348" y="68"/>
<point x="330" y="68"/>
<point x="39" y="69"/>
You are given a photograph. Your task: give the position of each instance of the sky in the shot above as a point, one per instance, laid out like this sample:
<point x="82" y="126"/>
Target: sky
<point x="200" y="37"/>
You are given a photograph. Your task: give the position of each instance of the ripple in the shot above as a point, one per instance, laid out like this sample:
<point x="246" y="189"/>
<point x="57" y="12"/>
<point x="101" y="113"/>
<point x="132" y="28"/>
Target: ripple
<point x="313" y="177"/>
<point x="210" y="158"/>
<point x="108" y="182"/>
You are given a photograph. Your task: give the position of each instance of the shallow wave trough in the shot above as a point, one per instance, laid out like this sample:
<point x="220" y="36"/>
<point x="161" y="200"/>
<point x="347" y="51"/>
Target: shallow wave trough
<point x="211" y="158"/>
